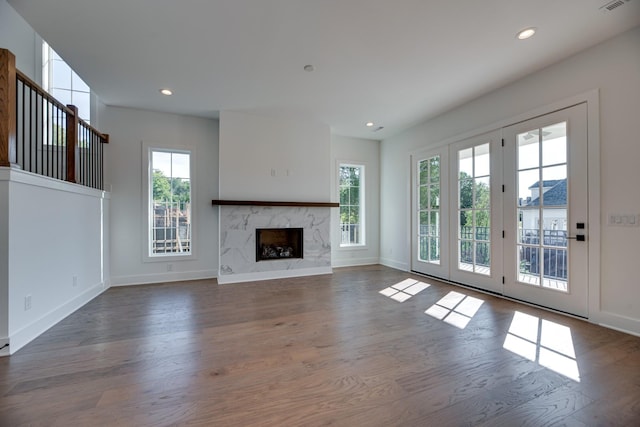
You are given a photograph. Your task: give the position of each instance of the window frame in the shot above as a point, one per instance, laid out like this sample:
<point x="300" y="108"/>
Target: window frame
<point x="362" y="205"/>
<point x="147" y="200"/>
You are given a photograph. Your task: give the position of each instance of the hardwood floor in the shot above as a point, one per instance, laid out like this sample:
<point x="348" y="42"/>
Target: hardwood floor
<point x="323" y="350"/>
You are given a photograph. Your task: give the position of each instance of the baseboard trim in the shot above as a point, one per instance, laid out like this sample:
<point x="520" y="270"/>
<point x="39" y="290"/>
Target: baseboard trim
<point x="387" y="262"/>
<point x="354" y="262"/>
<point x="224" y="279"/>
<point x="176" y="276"/>
<point x="36" y="328"/>
<point x="617" y="322"/>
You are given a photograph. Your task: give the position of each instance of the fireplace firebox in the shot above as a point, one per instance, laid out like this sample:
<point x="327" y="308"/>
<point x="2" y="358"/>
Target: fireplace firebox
<point x="278" y="243"/>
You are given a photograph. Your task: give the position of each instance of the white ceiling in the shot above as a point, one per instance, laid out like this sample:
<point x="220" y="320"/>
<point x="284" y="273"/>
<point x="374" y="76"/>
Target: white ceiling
<point x="393" y="62"/>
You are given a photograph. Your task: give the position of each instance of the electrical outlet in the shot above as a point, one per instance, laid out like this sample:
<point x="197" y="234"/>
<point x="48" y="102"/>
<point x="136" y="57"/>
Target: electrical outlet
<point x="75" y="281"/>
<point x="169" y="267"/>
<point x="624" y="220"/>
<point x="27" y="303"/>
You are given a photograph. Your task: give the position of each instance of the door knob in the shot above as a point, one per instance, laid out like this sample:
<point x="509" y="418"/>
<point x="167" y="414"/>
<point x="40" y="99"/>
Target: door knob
<point x="579" y="237"/>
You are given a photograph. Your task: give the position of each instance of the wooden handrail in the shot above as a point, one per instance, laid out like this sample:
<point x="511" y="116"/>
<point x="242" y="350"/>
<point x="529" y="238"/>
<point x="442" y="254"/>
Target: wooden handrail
<point x="32" y="135"/>
<point x="7" y="108"/>
<point x="66" y="108"/>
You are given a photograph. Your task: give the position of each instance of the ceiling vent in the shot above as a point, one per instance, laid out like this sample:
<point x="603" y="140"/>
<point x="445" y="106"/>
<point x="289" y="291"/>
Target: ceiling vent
<point x="613" y="5"/>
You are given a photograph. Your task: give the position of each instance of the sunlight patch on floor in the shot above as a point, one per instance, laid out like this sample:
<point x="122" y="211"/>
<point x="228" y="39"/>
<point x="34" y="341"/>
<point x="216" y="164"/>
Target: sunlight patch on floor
<point x="455" y="309"/>
<point x="547" y="343"/>
<point x="404" y="290"/>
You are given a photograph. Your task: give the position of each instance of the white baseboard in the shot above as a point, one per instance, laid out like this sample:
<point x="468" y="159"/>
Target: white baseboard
<point x="615" y="321"/>
<point x="353" y="262"/>
<point x="34" y="329"/>
<point x="224" y="279"/>
<point x="387" y="262"/>
<point x="4" y="346"/>
<point x="175" y="276"/>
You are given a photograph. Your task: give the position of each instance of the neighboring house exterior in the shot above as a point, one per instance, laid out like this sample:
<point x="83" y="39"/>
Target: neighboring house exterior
<point x="553" y="201"/>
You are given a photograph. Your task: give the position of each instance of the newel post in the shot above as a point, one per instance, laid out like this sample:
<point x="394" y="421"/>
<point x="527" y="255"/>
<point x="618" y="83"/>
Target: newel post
<point x="7" y="108"/>
<point x="72" y="142"/>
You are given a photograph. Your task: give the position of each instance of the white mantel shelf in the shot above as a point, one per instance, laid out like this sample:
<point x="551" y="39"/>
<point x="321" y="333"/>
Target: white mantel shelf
<point x="271" y="203"/>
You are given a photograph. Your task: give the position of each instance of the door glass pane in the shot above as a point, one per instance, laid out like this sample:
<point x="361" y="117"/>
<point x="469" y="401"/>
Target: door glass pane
<point x="528" y="151"/>
<point x="434" y="169"/>
<point x="465" y="163"/>
<point x="434" y="224"/>
<point x="474" y="209"/>
<point x="434" y="196"/>
<point x="483" y="258"/>
<point x="429" y="210"/>
<point x="434" y="249"/>
<point x="424" y="172"/>
<point x="528" y="260"/>
<point x="423" y="248"/>
<point x="542" y="207"/>
<point x="423" y="196"/>
<point x="554" y="144"/>
<point x="465" y="194"/>
<point x="482" y="225"/>
<point x="482" y="193"/>
<point x="481" y="160"/>
<point x="528" y="187"/>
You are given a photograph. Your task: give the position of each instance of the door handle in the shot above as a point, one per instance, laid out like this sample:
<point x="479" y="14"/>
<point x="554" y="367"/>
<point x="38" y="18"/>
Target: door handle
<point x="579" y="237"/>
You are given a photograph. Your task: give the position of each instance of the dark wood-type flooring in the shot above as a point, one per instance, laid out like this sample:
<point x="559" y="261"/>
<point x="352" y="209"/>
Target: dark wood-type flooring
<point x="323" y="350"/>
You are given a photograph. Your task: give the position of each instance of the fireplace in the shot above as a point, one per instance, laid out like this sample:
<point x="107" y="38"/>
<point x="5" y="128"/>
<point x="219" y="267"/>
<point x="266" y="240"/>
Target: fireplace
<point x="278" y="243"/>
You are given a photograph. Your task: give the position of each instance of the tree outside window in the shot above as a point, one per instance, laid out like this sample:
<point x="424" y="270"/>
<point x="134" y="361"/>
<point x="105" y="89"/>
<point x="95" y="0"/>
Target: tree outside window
<point x="351" y="189"/>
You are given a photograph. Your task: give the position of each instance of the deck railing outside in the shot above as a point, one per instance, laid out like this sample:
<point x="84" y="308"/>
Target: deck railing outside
<point x="41" y="135"/>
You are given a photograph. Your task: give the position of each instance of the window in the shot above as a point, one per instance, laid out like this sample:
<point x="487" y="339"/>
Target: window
<point x="351" y="205"/>
<point x="169" y="202"/>
<point x="63" y="83"/>
<point x="429" y="210"/>
<point x="474" y="209"/>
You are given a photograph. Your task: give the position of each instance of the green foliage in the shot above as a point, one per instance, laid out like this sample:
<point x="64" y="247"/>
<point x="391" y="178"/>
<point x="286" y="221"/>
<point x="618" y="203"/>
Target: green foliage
<point x="481" y="203"/>
<point x="167" y="189"/>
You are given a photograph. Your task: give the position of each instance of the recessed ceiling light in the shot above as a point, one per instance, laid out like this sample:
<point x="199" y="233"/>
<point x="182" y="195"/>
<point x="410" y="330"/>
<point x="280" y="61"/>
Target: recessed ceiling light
<point x="167" y="92"/>
<point x="369" y="124"/>
<point x="526" y="33"/>
<point x="309" y="68"/>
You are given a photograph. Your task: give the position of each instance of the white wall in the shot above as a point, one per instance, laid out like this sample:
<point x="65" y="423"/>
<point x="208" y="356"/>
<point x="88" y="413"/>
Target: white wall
<point x="613" y="67"/>
<point x="50" y="231"/>
<point x="128" y="129"/>
<point x="367" y="153"/>
<point x="297" y="151"/>
<point x="18" y="36"/>
<point x="55" y="248"/>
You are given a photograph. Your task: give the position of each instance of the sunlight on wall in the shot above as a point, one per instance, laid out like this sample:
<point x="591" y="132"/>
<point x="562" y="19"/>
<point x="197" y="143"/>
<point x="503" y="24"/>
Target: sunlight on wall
<point x="455" y="309"/>
<point x="547" y="343"/>
<point x="404" y="290"/>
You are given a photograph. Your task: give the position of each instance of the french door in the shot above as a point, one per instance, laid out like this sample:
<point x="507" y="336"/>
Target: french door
<point x="545" y="211"/>
<point x="475" y="208"/>
<point x="506" y="211"/>
<point x="430" y="200"/>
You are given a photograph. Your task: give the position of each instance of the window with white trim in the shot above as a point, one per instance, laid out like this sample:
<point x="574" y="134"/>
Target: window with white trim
<point x="351" y="188"/>
<point x="169" y="202"/>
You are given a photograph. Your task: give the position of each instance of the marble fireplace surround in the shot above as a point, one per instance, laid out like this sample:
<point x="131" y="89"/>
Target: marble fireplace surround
<point x="238" y="221"/>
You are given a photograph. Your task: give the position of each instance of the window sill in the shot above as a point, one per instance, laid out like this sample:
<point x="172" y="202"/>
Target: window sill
<point x="353" y="247"/>
<point x="169" y="258"/>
